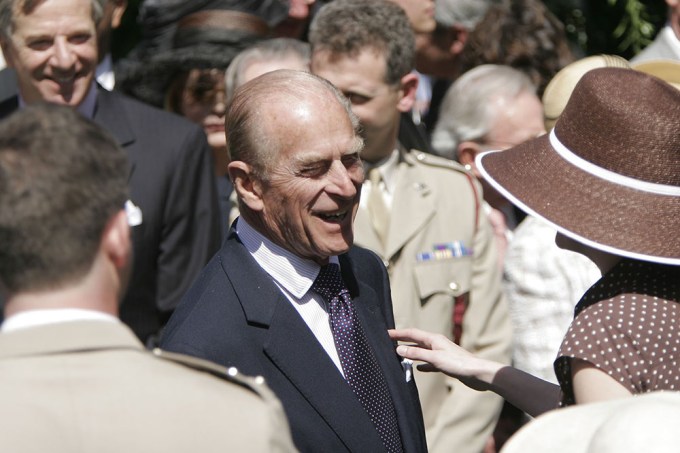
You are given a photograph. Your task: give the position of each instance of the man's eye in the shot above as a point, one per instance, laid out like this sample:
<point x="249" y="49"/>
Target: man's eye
<point x="311" y="171"/>
<point x="357" y="99"/>
<point x="40" y="44"/>
<point x="351" y="160"/>
<point x="80" y="38"/>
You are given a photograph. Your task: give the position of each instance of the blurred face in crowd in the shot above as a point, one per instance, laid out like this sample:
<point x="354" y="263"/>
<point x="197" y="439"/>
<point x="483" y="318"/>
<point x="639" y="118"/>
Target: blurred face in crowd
<point x="257" y="68"/>
<point x="53" y="50"/>
<point x="311" y="194"/>
<point x="377" y="104"/>
<point x="298" y="16"/>
<point x="202" y="100"/>
<point x="420" y="14"/>
<point x="112" y="17"/>
<point x="517" y="120"/>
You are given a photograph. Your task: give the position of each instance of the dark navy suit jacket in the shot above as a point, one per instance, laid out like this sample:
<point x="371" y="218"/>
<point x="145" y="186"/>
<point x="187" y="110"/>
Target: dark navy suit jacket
<point x="172" y="181"/>
<point x="235" y="315"/>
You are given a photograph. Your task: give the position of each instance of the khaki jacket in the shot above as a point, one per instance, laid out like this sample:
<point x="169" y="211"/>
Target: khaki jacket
<point x="89" y="386"/>
<point x="436" y="204"/>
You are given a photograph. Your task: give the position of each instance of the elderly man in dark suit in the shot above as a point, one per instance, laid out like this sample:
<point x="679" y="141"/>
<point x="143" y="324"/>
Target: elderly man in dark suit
<point x="288" y="297"/>
<point x="52" y="46"/>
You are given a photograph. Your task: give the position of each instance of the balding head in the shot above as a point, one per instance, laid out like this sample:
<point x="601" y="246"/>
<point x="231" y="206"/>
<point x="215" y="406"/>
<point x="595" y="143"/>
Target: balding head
<point x="252" y="117"/>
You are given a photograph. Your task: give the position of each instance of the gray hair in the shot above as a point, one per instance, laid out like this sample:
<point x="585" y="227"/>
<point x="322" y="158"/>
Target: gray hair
<point x="465" y="13"/>
<point x="268" y="50"/>
<point x="465" y="113"/>
<point x="247" y="140"/>
<point x="8" y="8"/>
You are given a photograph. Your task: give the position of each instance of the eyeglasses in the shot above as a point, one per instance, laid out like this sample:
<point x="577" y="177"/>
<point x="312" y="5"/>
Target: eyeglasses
<point x="206" y="86"/>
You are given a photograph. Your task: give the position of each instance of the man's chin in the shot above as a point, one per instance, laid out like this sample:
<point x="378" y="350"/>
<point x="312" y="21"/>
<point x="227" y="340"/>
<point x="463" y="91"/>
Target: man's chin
<point x="68" y="100"/>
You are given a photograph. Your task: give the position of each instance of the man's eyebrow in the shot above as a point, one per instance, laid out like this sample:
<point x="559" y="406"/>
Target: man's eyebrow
<point x="308" y="158"/>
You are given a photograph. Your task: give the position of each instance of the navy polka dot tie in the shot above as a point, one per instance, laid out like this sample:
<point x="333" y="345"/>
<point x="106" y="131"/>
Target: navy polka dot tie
<point x="362" y="372"/>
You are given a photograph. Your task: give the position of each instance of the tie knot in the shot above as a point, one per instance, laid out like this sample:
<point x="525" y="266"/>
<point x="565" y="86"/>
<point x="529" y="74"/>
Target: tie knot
<point x="329" y="281"/>
<point x="375" y="177"/>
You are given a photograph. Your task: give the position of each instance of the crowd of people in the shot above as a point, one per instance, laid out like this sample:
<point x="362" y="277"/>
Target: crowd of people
<point x="340" y="225"/>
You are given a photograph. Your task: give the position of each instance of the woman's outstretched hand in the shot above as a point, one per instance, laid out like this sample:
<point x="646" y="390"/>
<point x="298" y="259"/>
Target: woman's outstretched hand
<point x="441" y="354"/>
<point x="528" y="393"/>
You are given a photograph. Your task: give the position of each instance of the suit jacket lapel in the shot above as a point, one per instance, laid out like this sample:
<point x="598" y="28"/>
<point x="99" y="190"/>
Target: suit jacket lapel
<point x="412" y="194"/>
<point x="110" y="114"/>
<point x="9" y="106"/>
<point x="364" y="229"/>
<point x="296" y="352"/>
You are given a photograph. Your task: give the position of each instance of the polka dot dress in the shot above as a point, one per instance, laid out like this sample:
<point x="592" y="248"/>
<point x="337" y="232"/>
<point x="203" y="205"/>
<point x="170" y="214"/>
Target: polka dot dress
<point x="628" y="325"/>
<point x="362" y="371"/>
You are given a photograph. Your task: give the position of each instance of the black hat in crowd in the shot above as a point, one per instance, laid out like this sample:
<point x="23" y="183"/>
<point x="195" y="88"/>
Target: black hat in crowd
<point x="181" y="35"/>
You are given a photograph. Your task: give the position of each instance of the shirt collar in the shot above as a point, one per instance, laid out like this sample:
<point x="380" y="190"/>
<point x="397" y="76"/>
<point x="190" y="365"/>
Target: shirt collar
<point x="388" y="169"/>
<point x="104" y="73"/>
<point x="36" y="318"/>
<point x="292" y="272"/>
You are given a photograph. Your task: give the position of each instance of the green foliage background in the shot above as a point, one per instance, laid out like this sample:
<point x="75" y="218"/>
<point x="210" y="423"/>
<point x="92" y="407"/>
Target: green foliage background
<point x="620" y="27"/>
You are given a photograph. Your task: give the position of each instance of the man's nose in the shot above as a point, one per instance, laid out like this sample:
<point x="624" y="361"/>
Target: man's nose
<point x="343" y="180"/>
<point x="63" y="57"/>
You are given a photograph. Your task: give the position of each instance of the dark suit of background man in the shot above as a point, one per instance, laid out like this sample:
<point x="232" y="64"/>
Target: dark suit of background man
<point x="295" y="164"/>
<point x="73" y="378"/>
<point x="170" y="174"/>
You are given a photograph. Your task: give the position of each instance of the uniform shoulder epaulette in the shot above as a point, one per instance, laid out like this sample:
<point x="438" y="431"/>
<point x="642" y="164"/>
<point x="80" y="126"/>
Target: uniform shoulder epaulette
<point x="434" y="161"/>
<point x="255" y="384"/>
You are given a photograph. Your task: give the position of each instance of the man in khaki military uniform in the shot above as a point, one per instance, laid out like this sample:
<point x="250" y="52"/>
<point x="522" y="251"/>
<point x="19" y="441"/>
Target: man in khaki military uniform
<point x="73" y="378"/>
<point x="420" y="213"/>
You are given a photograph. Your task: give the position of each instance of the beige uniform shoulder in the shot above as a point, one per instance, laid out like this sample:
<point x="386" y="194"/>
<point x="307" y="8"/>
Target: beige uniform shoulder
<point x="255" y="384"/>
<point x="418" y="157"/>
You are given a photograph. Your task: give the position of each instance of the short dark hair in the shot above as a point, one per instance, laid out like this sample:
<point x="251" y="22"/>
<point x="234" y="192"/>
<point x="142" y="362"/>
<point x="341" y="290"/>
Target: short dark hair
<point x="62" y="178"/>
<point x="523" y="34"/>
<point x="346" y="27"/>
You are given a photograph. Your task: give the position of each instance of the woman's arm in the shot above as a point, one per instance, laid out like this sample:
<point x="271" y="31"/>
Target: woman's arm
<point x="591" y="384"/>
<point x="526" y="392"/>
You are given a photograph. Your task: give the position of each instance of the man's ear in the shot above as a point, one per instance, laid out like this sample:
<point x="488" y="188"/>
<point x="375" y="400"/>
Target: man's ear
<point x="466" y="153"/>
<point x="459" y="36"/>
<point x="407" y="89"/>
<point x="118" y="10"/>
<point x="6" y="52"/>
<point x="248" y="188"/>
<point x="116" y="240"/>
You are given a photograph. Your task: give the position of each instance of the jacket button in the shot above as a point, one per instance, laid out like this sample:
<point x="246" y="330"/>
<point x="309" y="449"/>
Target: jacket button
<point x="453" y="286"/>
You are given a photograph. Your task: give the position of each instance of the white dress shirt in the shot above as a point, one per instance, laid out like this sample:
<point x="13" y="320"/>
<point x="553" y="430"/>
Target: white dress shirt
<point x="294" y="276"/>
<point x="36" y="318"/>
<point x="104" y="73"/>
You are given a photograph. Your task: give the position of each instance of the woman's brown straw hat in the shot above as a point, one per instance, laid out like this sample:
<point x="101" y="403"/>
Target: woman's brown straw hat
<point x="608" y="174"/>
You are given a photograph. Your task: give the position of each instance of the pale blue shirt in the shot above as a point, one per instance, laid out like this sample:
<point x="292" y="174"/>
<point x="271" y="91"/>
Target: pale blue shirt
<point x="294" y="276"/>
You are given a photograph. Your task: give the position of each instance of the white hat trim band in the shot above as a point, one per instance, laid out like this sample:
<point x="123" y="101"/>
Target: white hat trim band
<point x="610" y="176"/>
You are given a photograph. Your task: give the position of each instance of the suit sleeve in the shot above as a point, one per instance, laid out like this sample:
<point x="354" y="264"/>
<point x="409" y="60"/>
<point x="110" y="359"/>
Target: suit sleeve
<point x="467" y="418"/>
<point x="191" y="231"/>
